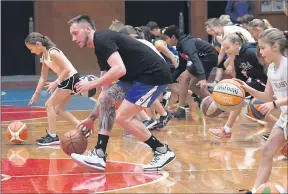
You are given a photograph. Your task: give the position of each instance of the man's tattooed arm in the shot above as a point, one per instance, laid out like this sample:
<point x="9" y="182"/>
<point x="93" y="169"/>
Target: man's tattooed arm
<point x="95" y="112"/>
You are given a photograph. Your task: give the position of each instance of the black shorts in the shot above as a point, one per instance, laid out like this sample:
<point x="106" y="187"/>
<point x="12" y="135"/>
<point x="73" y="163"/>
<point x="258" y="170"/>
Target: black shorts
<point x="69" y="83"/>
<point x="208" y="64"/>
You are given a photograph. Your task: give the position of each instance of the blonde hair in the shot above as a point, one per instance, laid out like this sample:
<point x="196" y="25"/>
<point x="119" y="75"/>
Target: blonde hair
<point x="259" y="23"/>
<point x="225" y="20"/>
<point x="116" y="25"/>
<point x="236" y="37"/>
<point x="274" y="35"/>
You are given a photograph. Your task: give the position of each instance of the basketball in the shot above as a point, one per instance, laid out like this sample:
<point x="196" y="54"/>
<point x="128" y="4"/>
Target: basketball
<point x="228" y="95"/>
<point x="74" y="142"/>
<point x="270" y="187"/>
<point x="91" y="92"/>
<point x="284" y="149"/>
<point x="17" y="132"/>
<point x="209" y="108"/>
<point x="253" y="109"/>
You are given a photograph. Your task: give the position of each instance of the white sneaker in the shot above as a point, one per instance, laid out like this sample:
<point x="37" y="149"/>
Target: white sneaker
<point x="95" y="159"/>
<point x="162" y="157"/>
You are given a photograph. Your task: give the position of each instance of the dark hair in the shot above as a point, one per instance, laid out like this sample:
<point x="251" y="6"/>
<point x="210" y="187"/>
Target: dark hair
<point x="246" y="19"/>
<point x="130" y="30"/>
<point x="146" y="32"/>
<point x="82" y="18"/>
<point x="236" y="37"/>
<point x="173" y="30"/>
<point x="34" y="37"/>
<point x="274" y="35"/>
<point x="152" y="25"/>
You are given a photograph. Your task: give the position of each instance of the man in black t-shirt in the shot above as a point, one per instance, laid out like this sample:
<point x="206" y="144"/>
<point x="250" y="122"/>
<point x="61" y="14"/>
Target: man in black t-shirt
<point x="130" y="61"/>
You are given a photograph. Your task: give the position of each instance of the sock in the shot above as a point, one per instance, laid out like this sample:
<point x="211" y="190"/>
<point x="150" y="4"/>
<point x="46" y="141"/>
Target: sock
<point x="53" y="135"/>
<point x="164" y="114"/>
<point x="254" y="190"/>
<point x="102" y="142"/>
<point x="227" y="129"/>
<point x="153" y="143"/>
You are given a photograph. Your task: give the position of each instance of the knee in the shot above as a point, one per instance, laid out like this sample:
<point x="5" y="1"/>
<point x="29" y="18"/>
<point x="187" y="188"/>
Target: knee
<point x="121" y="119"/>
<point x="48" y="104"/>
<point x="58" y="110"/>
<point x="267" y="153"/>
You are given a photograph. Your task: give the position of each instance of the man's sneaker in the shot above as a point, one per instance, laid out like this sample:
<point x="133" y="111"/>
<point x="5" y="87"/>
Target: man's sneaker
<point x="265" y="136"/>
<point x="180" y="113"/>
<point x="150" y="124"/>
<point x="219" y="133"/>
<point x="95" y="159"/>
<point x="162" y="157"/>
<point x="48" y="140"/>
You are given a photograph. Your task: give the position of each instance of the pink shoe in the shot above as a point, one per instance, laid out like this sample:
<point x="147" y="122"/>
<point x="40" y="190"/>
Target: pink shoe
<point x="219" y="133"/>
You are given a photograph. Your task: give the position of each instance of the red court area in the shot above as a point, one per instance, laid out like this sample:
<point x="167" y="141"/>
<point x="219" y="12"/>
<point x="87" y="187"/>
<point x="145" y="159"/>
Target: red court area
<point x="64" y="176"/>
<point x="11" y="113"/>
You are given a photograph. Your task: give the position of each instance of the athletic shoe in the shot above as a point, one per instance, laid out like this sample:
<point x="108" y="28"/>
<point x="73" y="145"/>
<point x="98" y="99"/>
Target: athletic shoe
<point x="265" y="136"/>
<point x="48" y="140"/>
<point x="180" y="114"/>
<point x="95" y="159"/>
<point x="219" y="133"/>
<point x="150" y="124"/>
<point x="162" y="157"/>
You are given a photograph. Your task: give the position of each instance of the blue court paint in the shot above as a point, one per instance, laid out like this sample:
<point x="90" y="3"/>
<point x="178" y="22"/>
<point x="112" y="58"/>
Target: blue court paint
<point x="22" y="96"/>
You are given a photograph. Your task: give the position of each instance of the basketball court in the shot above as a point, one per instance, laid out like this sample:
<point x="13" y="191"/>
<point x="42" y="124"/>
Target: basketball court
<point x="203" y="164"/>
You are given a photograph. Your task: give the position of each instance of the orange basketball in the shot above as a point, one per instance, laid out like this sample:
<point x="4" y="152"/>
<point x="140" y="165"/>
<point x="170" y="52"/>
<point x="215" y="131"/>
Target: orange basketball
<point x="228" y="95"/>
<point x="270" y="187"/>
<point x="74" y="141"/>
<point x="284" y="149"/>
<point x="17" y="132"/>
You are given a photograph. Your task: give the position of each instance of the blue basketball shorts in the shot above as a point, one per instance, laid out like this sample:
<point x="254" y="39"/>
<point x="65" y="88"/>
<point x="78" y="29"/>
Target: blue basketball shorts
<point x="144" y="95"/>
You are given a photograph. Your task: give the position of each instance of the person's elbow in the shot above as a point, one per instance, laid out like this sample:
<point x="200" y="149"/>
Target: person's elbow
<point x="121" y="71"/>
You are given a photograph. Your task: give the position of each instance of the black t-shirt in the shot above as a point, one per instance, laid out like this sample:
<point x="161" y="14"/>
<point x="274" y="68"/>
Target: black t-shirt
<point x="197" y="51"/>
<point x="142" y="63"/>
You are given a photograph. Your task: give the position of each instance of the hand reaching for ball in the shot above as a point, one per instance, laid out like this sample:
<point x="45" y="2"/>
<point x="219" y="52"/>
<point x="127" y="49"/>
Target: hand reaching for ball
<point x="87" y="127"/>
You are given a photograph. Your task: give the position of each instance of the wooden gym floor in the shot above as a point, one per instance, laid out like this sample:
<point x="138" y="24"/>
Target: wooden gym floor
<point x="203" y="164"/>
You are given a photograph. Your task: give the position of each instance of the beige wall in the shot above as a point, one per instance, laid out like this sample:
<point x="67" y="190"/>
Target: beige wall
<point x="51" y="19"/>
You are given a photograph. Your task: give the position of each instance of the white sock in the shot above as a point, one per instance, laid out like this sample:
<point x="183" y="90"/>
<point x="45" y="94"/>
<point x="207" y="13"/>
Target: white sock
<point x="182" y="107"/>
<point x="165" y="114"/>
<point x="254" y="190"/>
<point x="227" y="129"/>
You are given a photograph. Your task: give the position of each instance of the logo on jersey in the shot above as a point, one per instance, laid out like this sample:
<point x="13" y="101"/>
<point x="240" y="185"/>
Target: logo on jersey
<point x="281" y="84"/>
<point x="245" y="66"/>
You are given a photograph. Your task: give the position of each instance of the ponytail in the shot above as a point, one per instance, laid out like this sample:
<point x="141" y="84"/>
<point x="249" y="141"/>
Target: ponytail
<point x="34" y="37"/>
<point x="236" y="37"/>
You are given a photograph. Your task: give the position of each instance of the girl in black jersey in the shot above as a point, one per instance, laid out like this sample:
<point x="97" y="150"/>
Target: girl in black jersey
<point x="247" y="69"/>
<point x="203" y="57"/>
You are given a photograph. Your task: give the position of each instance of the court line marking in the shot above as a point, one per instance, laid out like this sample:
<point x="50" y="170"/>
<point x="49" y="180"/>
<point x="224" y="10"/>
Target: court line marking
<point x="164" y="173"/>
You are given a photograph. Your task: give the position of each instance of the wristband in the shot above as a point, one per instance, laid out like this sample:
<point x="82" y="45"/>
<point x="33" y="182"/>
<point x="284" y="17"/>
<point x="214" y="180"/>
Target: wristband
<point x="274" y="103"/>
<point x="92" y="116"/>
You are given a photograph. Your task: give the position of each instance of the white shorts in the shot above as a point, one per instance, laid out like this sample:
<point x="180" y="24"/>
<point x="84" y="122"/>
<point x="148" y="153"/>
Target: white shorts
<point x="282" y="124"/>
